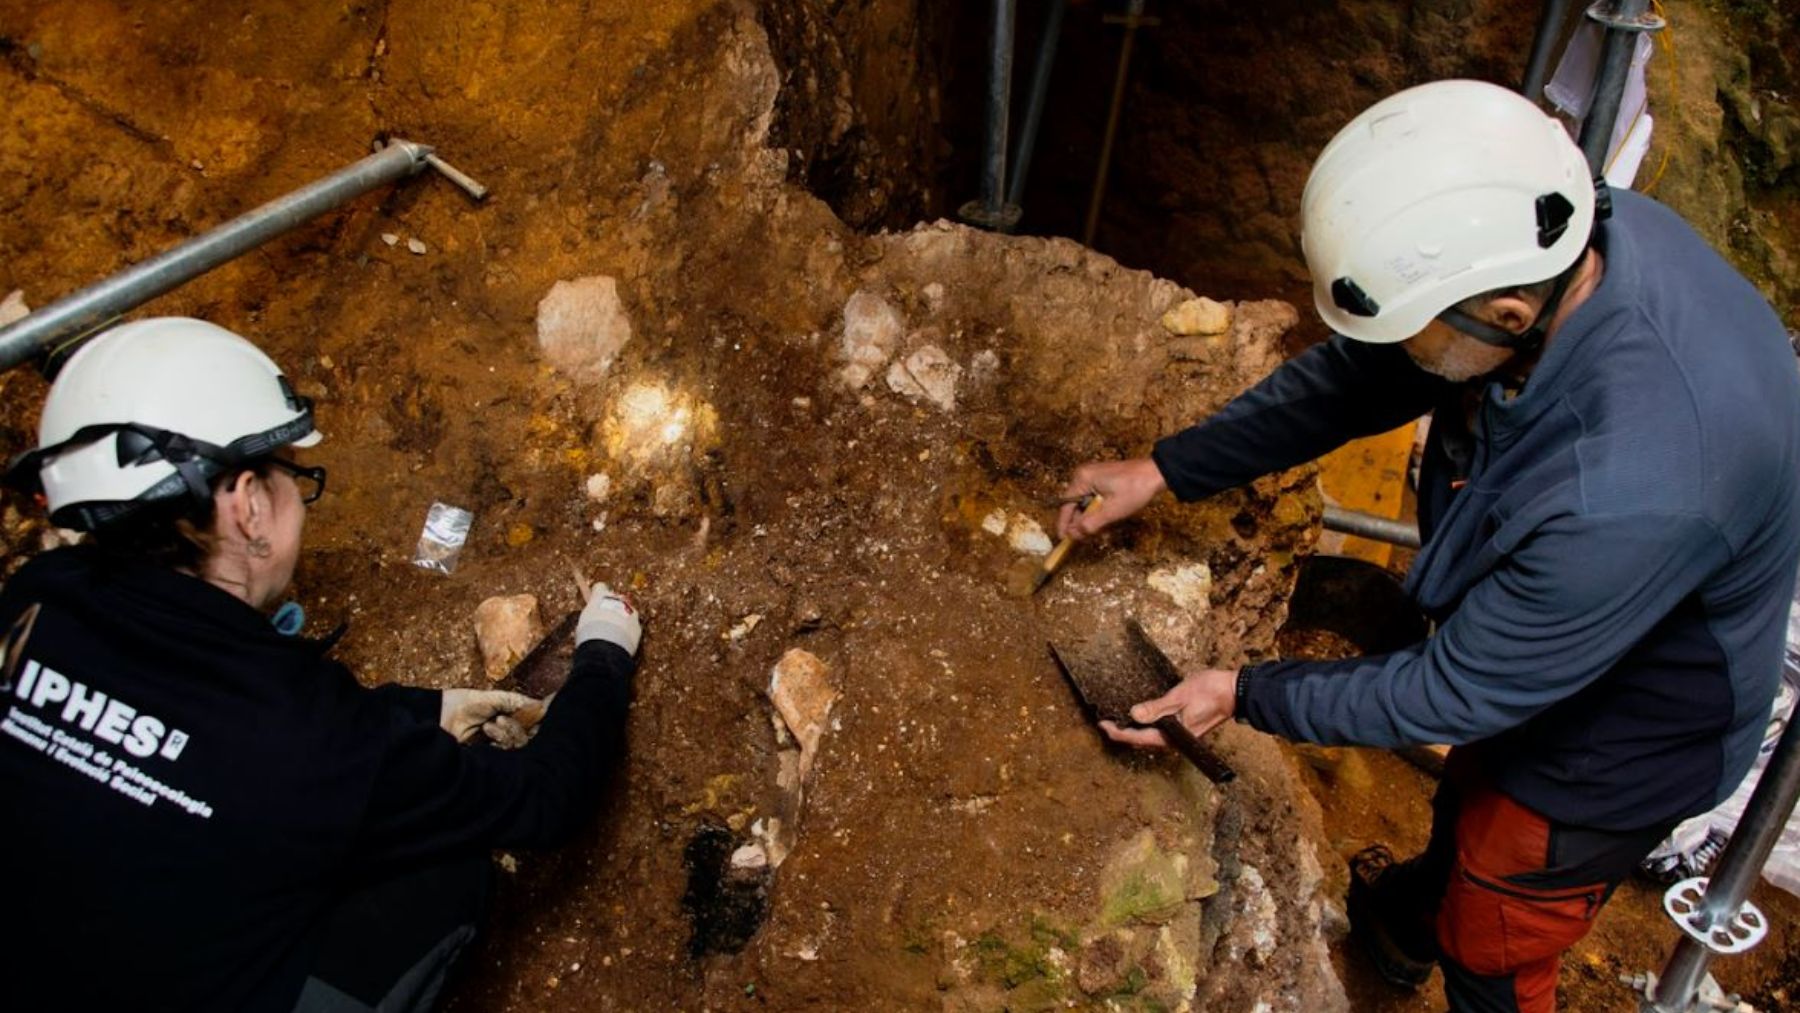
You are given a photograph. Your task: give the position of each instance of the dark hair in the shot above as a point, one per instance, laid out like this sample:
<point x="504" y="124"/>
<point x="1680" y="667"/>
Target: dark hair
<point x="175" y="532"/>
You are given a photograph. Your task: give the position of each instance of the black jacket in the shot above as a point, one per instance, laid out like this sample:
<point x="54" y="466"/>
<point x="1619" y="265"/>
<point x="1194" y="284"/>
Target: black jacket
<point x="186" y="791"/>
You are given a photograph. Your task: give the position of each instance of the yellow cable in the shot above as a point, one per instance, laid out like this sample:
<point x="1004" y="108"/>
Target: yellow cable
<point x="1667" y="35"/>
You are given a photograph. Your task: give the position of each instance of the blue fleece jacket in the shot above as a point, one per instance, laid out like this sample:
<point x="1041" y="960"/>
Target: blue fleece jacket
<point x="1610" y="551"/>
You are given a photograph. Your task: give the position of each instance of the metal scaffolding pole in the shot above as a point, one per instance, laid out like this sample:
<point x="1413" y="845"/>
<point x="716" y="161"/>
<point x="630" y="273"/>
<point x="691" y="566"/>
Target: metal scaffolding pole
<point x="1034" y="106"/>
<point x="1625" y="20"/>
<point x="1742" y="861"/>
<point x="1380" y="529"/>
<point x="991" y="210"/>
<point x="1537" y="68"/>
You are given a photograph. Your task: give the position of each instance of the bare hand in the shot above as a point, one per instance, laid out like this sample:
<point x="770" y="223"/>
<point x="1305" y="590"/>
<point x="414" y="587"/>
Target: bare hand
<point x="1202" y="701"/>
<point x="467" y="711"/>
<point x="1126" y="486"/>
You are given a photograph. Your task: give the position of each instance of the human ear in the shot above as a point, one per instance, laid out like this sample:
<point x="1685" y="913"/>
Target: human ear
<point x="242" y="506"/>
<point x="1511" y="313"/>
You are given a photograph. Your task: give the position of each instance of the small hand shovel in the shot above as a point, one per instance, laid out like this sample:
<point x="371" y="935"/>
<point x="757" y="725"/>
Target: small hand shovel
<point x="544" y="669"/>
<point x="1109" y="677"/>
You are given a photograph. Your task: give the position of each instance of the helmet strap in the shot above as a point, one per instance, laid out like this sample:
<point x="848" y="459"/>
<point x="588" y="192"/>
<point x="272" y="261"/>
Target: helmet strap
<point x="1531" y="338"/>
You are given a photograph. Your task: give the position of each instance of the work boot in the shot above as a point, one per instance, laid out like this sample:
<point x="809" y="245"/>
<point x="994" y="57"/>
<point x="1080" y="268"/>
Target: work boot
<point x="1385" y="918"/>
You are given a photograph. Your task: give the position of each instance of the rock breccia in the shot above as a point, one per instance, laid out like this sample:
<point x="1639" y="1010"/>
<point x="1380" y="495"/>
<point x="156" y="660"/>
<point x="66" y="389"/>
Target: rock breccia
<point x="872" y="332"/>
<point x="582" y="326"/>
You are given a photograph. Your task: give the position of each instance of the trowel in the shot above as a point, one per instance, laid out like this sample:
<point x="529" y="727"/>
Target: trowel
<point x="544" y="668"/>
<point x="1110" y="674"/>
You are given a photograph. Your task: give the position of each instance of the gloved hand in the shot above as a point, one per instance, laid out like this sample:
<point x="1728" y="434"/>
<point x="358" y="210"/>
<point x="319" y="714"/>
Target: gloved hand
<point x="609" y="617"/>
<point x="467" y="711"/>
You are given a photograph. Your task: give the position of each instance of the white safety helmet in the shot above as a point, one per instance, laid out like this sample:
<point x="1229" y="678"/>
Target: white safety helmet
<point x="154" y="410"/>
<point x="1436" y="194"/>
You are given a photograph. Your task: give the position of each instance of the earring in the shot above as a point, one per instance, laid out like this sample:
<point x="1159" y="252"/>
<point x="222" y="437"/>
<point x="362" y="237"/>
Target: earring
<point x="259" y="547"/>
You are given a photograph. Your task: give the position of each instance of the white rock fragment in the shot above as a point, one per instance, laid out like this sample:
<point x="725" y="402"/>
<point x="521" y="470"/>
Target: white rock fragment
<point x="800" y="688"/>
<point x="1258" y="907"/>
<point x="927" y="373"/>
<point x="743" y="627"/>
<point x="599" y="487"/>
<point x="1198" y="316"/>
<point x="506" y="628"/>
<point x="390" y="238"/>
<point x="872" y="331"/>
<point x="417" y="246"/>
<point x="775" y="841"/>
<point x="582" y="325"/>
<point x="750" y="856"/>
<point x="1188" y="585"/>
<point x="934" y="296"/>
<point x="1027" y="536"/>
<point x="13" y="307"/>
<point x="994" y="523"/>
<point x="985" y="363"/>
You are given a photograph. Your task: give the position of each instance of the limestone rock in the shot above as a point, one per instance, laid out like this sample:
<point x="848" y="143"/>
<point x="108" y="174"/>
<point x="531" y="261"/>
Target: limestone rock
<point x="1188" y="585"/>
<point x="994" y="523"/>
<point x="13" y="307"/>
<point x="582" y="326"/>
<point x="750" y="856"/>
<point x="1142" y="883"/>
<point x="934" y="295"/>
<point x="985" y="364"/>
<point x="801" y="690"/>
<point x="1027" y="536"/>
<point x="599" y="487"/>
<point x="929" y="374"/>
<point x="1258" y="926"/>
<point x="507" y="628"/>
<point x="872" y="331"/>
<point x="1197" y="316"/>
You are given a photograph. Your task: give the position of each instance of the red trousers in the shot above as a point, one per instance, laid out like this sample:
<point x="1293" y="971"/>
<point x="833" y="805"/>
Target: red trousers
<point x="1507" y="891"/>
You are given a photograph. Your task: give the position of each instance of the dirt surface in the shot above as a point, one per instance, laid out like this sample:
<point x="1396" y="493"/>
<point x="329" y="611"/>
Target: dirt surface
<point x="965" y="841"/>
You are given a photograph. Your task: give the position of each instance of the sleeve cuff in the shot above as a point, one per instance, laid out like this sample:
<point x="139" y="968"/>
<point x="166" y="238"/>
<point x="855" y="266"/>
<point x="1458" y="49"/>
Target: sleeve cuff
<point x="1259" y="695"/>
<point x="1163" y="455"/>
<point x="415" y="701"/>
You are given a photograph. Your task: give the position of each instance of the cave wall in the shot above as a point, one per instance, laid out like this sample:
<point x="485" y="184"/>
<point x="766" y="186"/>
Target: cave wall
<point x="1227" y="105"/>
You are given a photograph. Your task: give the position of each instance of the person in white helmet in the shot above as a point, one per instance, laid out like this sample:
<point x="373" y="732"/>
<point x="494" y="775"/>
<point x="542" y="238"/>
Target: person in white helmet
<point x="1609" y="505"/>
<point x="202" y="812"/>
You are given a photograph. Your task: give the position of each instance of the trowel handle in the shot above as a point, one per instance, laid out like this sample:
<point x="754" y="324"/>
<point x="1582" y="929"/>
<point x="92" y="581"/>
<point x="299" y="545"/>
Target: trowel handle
<point x="1055" y="558"/>
<point x="529" y="715"/>
<point x="1216" y="770"/>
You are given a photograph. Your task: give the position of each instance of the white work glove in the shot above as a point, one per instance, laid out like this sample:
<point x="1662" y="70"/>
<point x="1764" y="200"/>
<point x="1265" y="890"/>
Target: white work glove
<point x="467" y="711"/>
<point x="609" y="617"/>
